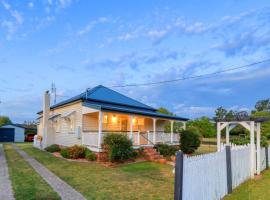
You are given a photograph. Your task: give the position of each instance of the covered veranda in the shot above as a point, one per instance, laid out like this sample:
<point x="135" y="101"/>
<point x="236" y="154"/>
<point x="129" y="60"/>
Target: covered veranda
<point x="142" y="129"/>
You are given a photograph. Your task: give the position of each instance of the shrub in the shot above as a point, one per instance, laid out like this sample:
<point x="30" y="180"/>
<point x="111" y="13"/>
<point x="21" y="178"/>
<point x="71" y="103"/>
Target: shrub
<point x="240" y="140"/>
<point x="64" y="153"/>
<point x="140" y="152"/>
<point x="119" y="147"/>
<point x="264" y="141"/>
<point x="53" y="148"/>
<point x="189" y="141"/>
<point x="76" y="152"/>
<point x="165" y="149"/>
<point x="89" y="155"/>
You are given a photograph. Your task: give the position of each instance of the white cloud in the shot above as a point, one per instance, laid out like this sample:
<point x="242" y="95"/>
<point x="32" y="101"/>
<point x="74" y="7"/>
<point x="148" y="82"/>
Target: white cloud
<point x="30" y="5"/>
<point x="91" y="25"/>
<point x="193" y="111"/>
<point x="6" y="5"/>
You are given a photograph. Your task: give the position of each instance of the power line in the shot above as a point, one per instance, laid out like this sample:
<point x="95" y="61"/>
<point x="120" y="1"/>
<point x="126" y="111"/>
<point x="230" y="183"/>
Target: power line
<point x="192" y="77"/>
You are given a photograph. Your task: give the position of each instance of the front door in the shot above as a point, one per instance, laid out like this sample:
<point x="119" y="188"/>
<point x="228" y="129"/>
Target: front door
<point x="124" y="123"/>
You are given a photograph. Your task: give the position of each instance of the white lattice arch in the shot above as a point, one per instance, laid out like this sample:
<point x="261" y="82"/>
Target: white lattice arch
<point x="251" y="126"/>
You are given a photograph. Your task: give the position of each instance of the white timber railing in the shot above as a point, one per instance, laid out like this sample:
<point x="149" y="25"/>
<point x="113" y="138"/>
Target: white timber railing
<point x="90" y="138"/>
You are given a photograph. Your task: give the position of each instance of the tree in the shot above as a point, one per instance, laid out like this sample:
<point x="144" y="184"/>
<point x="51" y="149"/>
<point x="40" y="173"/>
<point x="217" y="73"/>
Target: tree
<point x="220" y="113"/>
<point x="205" y="127"/>
<point x="230" y="115"/>
<point x="4" y="120"/>
<point x="177" y="126"/>
<point x="265" y="126"/>
<point x="165" y="111"/>
<point x="263" y="105"/>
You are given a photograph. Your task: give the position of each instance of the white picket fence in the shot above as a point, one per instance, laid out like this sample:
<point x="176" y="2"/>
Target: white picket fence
<point x="263" y="158"/>
<point x="205" y="176"/>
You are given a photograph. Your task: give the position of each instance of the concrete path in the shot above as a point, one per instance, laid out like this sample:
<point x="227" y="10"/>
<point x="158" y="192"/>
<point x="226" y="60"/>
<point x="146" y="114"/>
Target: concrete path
<point x="5" y="184"/>
<point x="65" y="191"/>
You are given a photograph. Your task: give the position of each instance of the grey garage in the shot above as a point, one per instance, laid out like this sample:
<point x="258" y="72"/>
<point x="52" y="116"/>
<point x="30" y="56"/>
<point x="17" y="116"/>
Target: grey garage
<point x="12" y="133"/>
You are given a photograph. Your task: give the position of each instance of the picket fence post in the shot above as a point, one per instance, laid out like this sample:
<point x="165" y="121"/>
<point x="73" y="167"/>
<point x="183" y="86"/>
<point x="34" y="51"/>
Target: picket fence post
<point x="266" y="157"/>
<point x="178" y="181"/>
<point x="229" y="168"/>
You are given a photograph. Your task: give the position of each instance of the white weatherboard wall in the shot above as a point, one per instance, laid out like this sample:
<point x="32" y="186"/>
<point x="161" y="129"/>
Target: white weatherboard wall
<point x="19" y="132"/>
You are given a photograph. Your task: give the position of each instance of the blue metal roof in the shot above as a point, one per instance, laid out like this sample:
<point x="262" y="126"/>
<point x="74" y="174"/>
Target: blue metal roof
<point x="104" y="94"/>
<point x="130" y="110"/>
<point x="103" y="98"/>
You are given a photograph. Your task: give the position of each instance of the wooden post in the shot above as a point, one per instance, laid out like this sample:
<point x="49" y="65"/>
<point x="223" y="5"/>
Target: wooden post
<point x="266" y="157"/>
<point x="178" y="177"/>
<point x="138" y="138"/>
<point x="218" y="136"/>
<point x="258" y="131"/>
<point x="131" y="128"/>
<point x="252" y="152"/>
<point x="184" y="125"/>
<point x="148" y="137"/>
<point x="229" y="169"/>
<point x="227" y="135"/>
<point x="100" y="119"/>
<point x="171" y="131"/>
<point x="154" y="131"/>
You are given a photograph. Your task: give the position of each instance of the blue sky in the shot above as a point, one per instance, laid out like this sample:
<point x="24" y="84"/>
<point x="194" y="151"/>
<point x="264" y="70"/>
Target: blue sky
<point x="80" y="44"/>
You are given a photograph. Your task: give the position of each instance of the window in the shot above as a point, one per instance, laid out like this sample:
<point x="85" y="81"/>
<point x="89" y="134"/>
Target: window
<point x="70" y="124"/>
<point x="57" y="125"/>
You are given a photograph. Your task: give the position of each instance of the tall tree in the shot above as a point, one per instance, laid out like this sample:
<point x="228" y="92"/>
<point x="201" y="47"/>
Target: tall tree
<point x="220" y="113"/>
<point x="204" y="126"/>
<point x="263" y="105"/>
<point x="4" y="120"/>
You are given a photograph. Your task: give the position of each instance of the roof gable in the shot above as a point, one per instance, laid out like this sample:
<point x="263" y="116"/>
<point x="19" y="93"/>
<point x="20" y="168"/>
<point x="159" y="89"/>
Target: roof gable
<point x="104" y="94"/>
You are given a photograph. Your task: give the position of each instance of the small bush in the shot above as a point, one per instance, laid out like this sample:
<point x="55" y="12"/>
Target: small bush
<point x="119" y="147"/>
<point x="64" y="153"/>
<point x="53" y="148"/>
<point x="189" y="141"/>
<point x="240" y="140"/>
<point x="89" y="155"/>
<point x="76" y="152"/>
<point x="264" y="141"/>
<point x="166" y="150"/>
<point x="140" y="152"/>
<point x="135" y="154"/>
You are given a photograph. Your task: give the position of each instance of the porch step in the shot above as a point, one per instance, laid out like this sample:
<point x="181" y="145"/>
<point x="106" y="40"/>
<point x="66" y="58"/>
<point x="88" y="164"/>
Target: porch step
<point x="152" y="154"/>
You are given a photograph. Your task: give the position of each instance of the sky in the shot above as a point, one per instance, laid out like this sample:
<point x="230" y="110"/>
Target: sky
<point x="78" y="44"/>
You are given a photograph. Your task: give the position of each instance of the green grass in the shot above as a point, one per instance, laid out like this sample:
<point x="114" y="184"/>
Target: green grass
<point x="253" y="189"/>
<point x="204" y="149"/>
<point x="132" y="181"/>
<point x="26" y="183"/>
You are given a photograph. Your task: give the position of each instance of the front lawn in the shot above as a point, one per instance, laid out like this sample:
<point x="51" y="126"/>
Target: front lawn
<point x="26" y="183"/>
<point x="253" y="189"/>
<point x="132" y="181"/>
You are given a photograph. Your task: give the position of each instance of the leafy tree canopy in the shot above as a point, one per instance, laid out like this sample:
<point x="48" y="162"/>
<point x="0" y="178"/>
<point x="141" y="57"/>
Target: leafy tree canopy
<point x="263" y="105"/>
<point x="4" y="120"/>
<point x="204" y="125"/>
